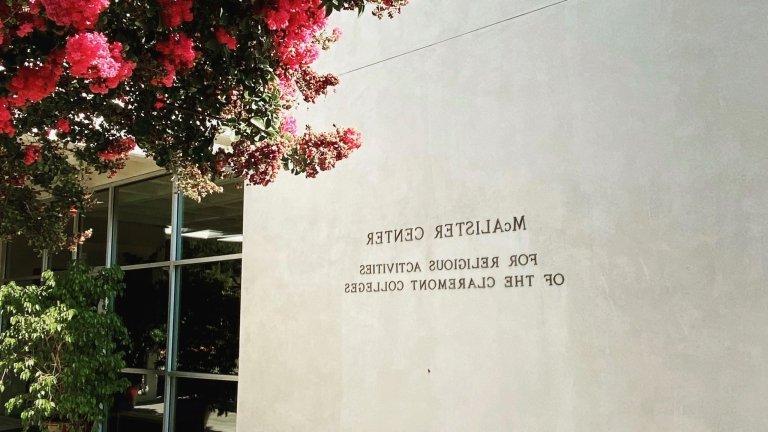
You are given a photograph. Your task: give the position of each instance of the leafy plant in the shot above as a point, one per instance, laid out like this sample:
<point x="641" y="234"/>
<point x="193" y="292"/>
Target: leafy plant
<point x="62" y="342"/>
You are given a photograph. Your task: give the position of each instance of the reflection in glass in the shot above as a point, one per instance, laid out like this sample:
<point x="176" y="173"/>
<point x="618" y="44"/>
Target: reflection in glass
<point x="205" y="405"/>
<point x="60" y="260"/>
<point x="21" y="261"/>
<point x="143" y="212"/>
<point x="13" y="387"/>
<point x="209" y="318"/>
<point x="213" y="226"/>
<point x="140" y="407"/>
<point x="94" y="250"/>
<point x="23" y="282"/>
<point x="144" y="310"/>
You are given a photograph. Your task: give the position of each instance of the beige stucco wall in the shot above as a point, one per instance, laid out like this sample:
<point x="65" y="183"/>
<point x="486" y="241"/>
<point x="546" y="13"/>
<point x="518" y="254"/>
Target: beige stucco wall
<point x="632" y="136"/>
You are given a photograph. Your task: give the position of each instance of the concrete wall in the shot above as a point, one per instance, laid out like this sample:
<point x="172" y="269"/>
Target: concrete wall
<point x="632" y="136"/>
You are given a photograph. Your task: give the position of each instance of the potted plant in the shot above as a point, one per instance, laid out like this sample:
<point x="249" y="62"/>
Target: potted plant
<point x="62" y="341"/>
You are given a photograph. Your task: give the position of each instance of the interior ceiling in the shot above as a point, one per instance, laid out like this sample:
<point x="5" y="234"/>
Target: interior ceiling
<point x="149" y="202"/>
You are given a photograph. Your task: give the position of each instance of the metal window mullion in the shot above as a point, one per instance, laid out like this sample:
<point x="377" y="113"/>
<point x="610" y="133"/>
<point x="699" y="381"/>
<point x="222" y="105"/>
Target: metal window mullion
<point x="75" y="227"/>
<point x="179" y="263"/>
<point x="111" y="227"/>
<point x="170" y="364"/>
<point x="204" y="376"/>
<point x="173" y="308"/>
<point x="142" y="371"/>
<point x="215" y="258"/>
<point x="46" y="264"/>
<point x="3" y="264"/>
<point x="146" y="265"/>
<point x="108" y="258"/>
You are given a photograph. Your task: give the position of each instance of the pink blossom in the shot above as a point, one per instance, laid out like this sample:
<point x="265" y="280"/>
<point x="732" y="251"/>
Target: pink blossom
<point x="25" y="29"/>
<point x="6" y="118"/>
<point x="295" y="24"/>
<point x="351" y="138"/>
<point x="80" y="14"/>
<point x="32" y="154"/>
<point x="277" y="19"/>
<point x="322" y="151"/>
<point x="90" y="56"/>
<point x="34" y="83"/>
<point x="34" y="7"/>
<point x="288" y="125"/>
<point x="175" y="12"/>
<point x="225" y="38"/>
<point x="177" y="53"/>
<point x="62" y="125"/>
<point x="124" y="71"/>
<point x="118" y="151"/>
<point x="159" y="102"/>
<point x="312" y="85"/>
<point x="286" y="85"/>
<point x="258" y="163"/>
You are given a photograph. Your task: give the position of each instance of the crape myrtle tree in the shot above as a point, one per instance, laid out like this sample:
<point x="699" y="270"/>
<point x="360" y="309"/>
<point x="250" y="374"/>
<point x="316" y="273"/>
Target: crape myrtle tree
<point x="85" y="82"/>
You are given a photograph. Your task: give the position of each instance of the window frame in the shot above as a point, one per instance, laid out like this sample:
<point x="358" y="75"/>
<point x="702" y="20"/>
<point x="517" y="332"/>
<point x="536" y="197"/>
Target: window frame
<point x="174" y="265"/>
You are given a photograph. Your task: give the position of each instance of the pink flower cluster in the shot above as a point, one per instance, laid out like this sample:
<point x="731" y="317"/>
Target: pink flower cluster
<point x="175" y="12"/>
<point x="286" y="85"/>
<point x="28" y="23"/>
<point x="312" y="85"/>
<point x="62" y="126"/>
<point x="382" y="8"/>
<point x="6" y="118"/>
<point x="80" y="14"/>
<point x="388" y="7"/>
<point x="159" y="102"/>
<point x="117" y="152"/>
<point x="288" y="125"/>
<point x="92" y="57"/>
<point x="258" y="163"/>
<point x="323" y="150"/>
<point x="177" y="53"/>
<point x="32" y="154"/>
<point x="224" y="38"/>
<point x="295" y="24"/>
<point x="34" y="83"/>
<point x="89" y="54"/>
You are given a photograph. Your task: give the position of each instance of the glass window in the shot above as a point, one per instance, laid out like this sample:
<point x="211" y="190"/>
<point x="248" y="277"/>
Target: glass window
<point x="94" y="250"/>
<point x="205" y="405"/>
<point x="60" y="260"/>
<point x="209" y="318"/>
<point x="21" y="261"/>
<point x="30" y="281"/>
<point x="206" y="323"/>
<point x="143" y="213"/>
<point x="13" y="387"/>
<point x="143" y="306"/>
<point x="140" y="407"/>
<point x="213" y="226"/>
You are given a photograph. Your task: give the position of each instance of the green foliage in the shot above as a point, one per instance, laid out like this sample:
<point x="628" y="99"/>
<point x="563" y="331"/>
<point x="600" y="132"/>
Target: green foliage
<point x="62" y="341"/>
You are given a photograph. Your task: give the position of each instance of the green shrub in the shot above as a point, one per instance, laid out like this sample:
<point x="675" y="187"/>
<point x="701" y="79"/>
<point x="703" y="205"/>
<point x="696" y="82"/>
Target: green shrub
<point x="62" y="341"/>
